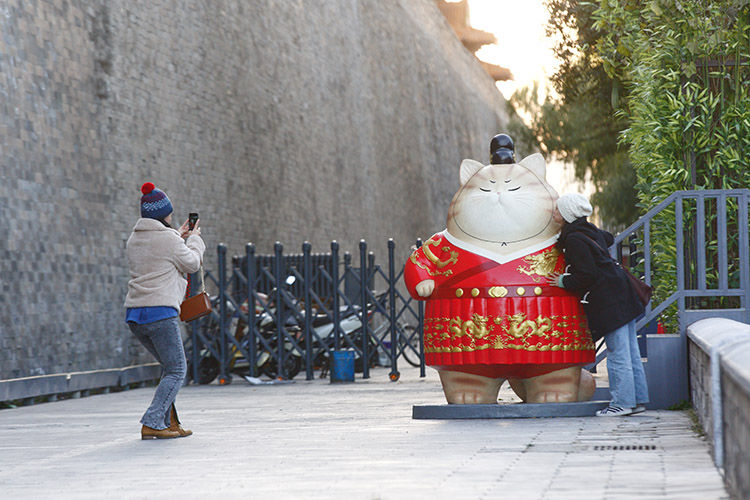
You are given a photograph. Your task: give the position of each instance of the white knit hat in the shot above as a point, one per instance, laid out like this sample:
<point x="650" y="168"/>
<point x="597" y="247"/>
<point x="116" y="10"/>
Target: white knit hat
<point x="573" y="206"/>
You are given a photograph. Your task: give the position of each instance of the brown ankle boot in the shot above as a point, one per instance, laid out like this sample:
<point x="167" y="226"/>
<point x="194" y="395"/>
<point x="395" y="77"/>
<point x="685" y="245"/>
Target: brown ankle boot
<point x="151" y="433"/>
<point x="174" y="424"/>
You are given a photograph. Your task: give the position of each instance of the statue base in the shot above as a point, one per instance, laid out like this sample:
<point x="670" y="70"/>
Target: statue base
<point x="507" y="410"/>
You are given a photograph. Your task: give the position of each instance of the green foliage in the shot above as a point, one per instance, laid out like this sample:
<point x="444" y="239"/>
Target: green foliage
<point x="695" y="426"/>
<point x="688" y="84"/>
<point x="579" y="126"/>
<point x="686" y="72"/>
<point x="681" y="406"/>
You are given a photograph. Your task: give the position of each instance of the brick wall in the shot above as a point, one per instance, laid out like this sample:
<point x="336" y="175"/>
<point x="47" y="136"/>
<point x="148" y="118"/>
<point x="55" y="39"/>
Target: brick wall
<point x="274" y="120"/>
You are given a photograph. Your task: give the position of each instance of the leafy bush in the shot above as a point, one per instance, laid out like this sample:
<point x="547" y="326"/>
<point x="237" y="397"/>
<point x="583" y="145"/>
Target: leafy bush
<point x="685" y="66"/>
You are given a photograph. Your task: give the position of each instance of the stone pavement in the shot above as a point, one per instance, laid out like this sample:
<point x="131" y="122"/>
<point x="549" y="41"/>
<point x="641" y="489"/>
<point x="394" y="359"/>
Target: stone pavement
<point x="358" y="440"/>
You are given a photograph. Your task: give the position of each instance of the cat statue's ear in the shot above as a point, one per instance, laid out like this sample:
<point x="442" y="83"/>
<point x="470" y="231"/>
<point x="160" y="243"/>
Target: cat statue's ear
<point x="469" y="168"/>
<point x="536" y="164"/>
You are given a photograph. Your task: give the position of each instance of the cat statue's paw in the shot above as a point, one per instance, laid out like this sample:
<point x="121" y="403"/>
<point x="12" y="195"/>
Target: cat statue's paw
<point x="425" y="288"/>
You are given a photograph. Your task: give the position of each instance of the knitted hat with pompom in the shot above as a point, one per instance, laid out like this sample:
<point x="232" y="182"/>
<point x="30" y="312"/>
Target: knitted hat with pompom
<point x="154" y="203"/>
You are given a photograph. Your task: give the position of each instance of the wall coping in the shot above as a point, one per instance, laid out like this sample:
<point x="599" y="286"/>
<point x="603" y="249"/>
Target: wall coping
<point x="710" y="332"/>
<point x="731" y="339"/>
<point x="59" y="383"/>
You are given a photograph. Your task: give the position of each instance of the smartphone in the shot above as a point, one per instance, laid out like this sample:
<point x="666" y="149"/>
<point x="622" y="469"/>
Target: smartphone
<point x="192" y="219"/>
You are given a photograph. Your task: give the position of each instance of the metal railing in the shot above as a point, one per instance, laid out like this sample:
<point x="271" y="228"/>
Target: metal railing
<point x="281" y="314"/>
<point x="704" y="273"/>
<point x="696" y="255"/>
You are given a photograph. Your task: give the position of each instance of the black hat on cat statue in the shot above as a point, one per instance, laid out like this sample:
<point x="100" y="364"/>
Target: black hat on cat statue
<point x="501" y="150"/>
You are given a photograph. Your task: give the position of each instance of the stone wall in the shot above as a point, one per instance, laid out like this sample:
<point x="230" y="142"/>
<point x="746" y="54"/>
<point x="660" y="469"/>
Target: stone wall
<point x="737" y="435"/>
<point x="276" y="120"/>
<point x="699" y="364"/>
<point x="720" y="390"/>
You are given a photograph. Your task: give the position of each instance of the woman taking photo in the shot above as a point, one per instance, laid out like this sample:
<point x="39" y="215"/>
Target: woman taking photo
<point x="610" y="304"/>
<point x="158" y="256"/>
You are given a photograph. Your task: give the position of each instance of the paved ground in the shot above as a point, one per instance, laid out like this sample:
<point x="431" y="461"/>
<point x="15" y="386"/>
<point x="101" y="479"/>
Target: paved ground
<point x="317" y="440"/>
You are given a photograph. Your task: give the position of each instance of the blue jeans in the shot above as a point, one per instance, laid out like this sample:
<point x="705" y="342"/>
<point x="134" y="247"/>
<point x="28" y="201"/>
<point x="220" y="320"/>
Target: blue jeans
<point x="627" y="380"/>
<point x="163" y="340"/>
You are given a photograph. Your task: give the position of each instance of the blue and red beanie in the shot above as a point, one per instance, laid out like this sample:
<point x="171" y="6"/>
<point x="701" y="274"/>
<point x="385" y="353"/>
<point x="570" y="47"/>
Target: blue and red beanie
<point x="154" y="203"/>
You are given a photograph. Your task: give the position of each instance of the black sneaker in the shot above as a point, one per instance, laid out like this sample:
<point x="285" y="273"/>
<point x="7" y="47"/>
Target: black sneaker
<point x="614" y="411"/>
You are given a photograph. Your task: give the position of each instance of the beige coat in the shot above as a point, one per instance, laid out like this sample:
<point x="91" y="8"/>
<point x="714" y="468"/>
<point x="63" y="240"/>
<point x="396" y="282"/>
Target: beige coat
<point x="158" y="256"/>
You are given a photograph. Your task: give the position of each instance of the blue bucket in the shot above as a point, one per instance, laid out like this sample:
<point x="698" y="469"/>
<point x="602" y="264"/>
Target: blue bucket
<point x="342" y="366"/>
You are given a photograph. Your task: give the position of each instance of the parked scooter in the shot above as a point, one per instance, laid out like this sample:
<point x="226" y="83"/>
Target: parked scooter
<point x="266" y="321"/>
<point x="266" y="346"/>
<point x="323" y="341"/>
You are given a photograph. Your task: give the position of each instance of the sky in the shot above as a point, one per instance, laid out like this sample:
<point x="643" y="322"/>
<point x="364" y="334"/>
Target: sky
<point x="524" y="48"/>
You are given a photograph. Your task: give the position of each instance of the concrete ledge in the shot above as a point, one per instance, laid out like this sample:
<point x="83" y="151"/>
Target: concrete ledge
<point x="707" y="333"/>
<point x="512" y="410"/>
<point x="84" y="381"/>
<point x="139" y="373"/>
<point x="29" y="387"/>
<point x="60" y="383"/>
<point x="720" y="390"/>
<point x="715" y="339"/>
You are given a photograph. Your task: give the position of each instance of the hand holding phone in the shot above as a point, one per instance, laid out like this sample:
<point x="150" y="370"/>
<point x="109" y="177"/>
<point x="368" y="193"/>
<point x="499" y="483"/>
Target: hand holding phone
<point x="192" y="219"/>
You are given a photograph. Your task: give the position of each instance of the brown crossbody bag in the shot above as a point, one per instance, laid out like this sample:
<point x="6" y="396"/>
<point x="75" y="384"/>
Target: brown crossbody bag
<point x="198" y="305"/>
<point x="641" y="289"/>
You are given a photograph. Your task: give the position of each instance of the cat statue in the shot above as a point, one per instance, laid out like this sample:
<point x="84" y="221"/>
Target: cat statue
<point x="490" y="314"/>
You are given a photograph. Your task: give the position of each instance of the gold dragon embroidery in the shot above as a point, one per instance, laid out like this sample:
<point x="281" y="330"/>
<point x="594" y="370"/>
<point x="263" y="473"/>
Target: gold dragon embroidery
<point x="475" y="328"/>
<point x="540" y="265"/>
<point x="434" y="259"/>
<point x="440" y="264"/>
<point x="516" y="332"/>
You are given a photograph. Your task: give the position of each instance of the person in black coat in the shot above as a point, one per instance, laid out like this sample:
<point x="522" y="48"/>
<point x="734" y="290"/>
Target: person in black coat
<point x="610" y="303"/>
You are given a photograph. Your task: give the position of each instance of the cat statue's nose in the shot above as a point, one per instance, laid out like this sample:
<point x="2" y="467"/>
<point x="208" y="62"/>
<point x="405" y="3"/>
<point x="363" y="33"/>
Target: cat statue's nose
<point x="501" y="150"/>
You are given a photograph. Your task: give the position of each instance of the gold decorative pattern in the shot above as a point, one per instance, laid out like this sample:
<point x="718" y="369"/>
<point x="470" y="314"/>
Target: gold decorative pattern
<point x="430" y="272"/>
<point x="515" y="332"/>
<point x="474" y="292"/>
<point x="476" y="327"/>
<point x="540" y="265"/>
<point x="497" y="291"/>
<point x="459" y="292"/>
<point x="538" y="290"/>
<point x="439" y="264"/>
<point x="434" y="258"/>
<point x="520" y="291"/>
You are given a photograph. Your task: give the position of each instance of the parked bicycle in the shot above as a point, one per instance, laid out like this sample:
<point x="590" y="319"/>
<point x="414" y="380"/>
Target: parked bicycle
<point x="408" y="337"/>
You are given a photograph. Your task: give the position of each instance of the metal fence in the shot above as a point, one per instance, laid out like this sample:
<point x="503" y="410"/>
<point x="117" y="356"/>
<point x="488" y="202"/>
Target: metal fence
<point x="706" y="273"/>
<point x="283" y="314"/>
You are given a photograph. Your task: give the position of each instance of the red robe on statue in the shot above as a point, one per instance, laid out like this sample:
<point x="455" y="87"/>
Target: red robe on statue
<point x="497" y="316"/>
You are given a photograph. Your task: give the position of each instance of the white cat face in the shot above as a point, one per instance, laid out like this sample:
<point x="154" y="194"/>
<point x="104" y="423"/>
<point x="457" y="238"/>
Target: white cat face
<point x="509" y="204"/>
